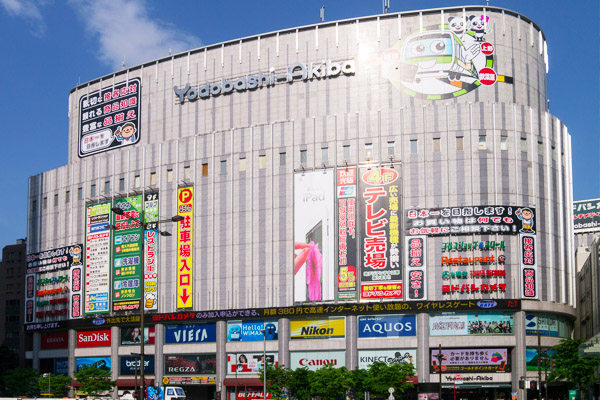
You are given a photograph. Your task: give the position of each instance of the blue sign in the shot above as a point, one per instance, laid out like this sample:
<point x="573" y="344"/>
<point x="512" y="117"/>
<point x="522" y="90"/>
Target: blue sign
<point x="130" y="365"/>
<point x="381" y="326"/>
<point x="98" y="362"/>
<point x="61" y="366"/>
<point x="250" y="331"/>
<point x="198" y="333"/>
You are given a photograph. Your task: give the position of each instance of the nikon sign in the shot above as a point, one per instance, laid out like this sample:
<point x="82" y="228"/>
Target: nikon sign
<point x="296" y="71"/>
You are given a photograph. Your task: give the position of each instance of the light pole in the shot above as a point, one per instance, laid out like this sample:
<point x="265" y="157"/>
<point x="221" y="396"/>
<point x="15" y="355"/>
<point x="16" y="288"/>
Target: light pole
<point x="47" y="375"/>
<point x="440" y="357"/>
<point x="264" y="332"/>
<point x="145" y="226"/>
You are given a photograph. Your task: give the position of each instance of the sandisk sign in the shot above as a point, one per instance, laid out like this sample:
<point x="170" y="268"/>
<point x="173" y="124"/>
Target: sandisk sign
<point x="99" y="338"/>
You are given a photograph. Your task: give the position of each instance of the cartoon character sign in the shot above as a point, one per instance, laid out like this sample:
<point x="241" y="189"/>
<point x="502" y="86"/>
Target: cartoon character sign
<point x="75" y="252"/>
<point x="235" y="333"/>
<point x="126" y="133"/>
<point x="442" y="62"/>
<point x="526" y="217"/>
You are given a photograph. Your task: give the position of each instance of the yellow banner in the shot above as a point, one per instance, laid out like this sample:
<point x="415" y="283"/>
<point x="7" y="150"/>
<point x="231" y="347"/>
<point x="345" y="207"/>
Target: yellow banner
<point x="318" y="328"/>
<point x="185" y="232"/>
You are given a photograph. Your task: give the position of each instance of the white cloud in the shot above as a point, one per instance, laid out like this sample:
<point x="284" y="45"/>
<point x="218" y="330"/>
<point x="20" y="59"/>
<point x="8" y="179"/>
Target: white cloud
<point x="124" y="30"/>
<point x="28" y="10"/>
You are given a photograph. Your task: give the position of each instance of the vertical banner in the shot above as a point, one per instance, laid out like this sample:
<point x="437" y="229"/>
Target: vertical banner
<point x="185" y="230"/>
<point x="529" y="270"/>
<point x="76" y="289"/>
<point x="314" y="244"/>
<point x="29" y="298"/>
<point x="381" y="271"/>
<point x="97" y="259"/>
<point x="346" y="206"/>
<point x="416" y="268"/>
<point x="127" y="254"/>
<point x="150" y="269"/>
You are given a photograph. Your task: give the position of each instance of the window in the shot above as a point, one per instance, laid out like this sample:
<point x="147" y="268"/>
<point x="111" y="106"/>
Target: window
<point x="152" y="178"/>
<point x="79" y="193"/>
<point x="282" y="159"/>
<point x="482" y="143"/>
<point x="503" y="142"/>
<point x="107" y="187"/>
<point x="436" y="145"/>
<point x="223" y="166"/>
<point x="68" y="196"/>
<point x="121" y="184"/>
<point x="93" y="190"/>
<point x="460" y="143"/>
<point x="368" y="150"/>
<point x="170" y="175"/>
<point x="523" y="144"/>
<point x="324" y="154"/>
<point x="242" y="164"/>
<point x="33" y="206"/>
<point x="414" y="146"/>
<point x="540" y="148"/>
<point x="554" y="153"/>
<point x="391" y="147"/>
<point x="187" y="173"/>
<point x="262" y="161"/>
<point x="137" y="181"/>
<point x="204" y="169"/>
<point x="56" y="200"/>
<point x="303" y="156"/>
<point x="346" y="151"/>
<point x="44" y="203"/>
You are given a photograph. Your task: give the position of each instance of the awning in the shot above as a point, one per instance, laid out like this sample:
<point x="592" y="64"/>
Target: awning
<point x="131" y="382"/>
<point x="477" y="385"/>
<point x="253" y="382"/>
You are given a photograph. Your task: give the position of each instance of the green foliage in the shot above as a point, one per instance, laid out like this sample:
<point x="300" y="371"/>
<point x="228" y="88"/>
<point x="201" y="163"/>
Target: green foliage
<point x="568" y="366"/>
<point x="330" y="383"/>
<point x="277" y="378"/>
<point x="59" y="385"/>
<point x="298" y="383"/>
<point x="8" y="360"/>
<point x="21" y="382"/>
<point x="382" y="376"/>
<point x="94" y="381"/>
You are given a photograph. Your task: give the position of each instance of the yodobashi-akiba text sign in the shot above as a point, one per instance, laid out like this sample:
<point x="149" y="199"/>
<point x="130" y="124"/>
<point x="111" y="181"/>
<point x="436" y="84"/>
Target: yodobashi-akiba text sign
<point x="109" y="118"/>
<point x="586" y="215"/>
<point x="508" y="220"/>
<point x="381" y="271"/>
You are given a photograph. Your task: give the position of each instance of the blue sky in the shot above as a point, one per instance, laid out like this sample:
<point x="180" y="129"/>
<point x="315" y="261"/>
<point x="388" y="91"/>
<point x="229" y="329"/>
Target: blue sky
<point x="48" y="46"/>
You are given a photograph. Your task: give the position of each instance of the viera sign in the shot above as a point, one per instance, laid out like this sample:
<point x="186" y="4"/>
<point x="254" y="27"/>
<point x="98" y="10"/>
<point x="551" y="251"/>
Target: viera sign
<point x="296" y="71"/>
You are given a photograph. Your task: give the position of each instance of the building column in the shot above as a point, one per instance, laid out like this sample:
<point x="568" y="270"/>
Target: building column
<point x="283" y="340"/>
<point x="114" y="358"/>
<point x="221" y="358"/>
<point x="37" y="342"/>
<point x="159" y="365"/>
<point x="423" y="347"/>
<point x="351" y="342"/>
<point x="518" y="355"/>
<point x="72" y="340"/>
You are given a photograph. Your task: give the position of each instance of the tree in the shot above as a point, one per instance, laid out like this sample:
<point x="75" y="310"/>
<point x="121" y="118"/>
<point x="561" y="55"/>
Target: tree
<point x="8" y="360"/>
<point x="298" y="383"/>
<point x="330" y="383"/>
<point x="59" y="384"/>
<point x="382" y="376"/>
<point x="568" y="366"/>
<point x="21" y="382"/>
<point x="277" y="380"/>
<point x="94" y="381"/>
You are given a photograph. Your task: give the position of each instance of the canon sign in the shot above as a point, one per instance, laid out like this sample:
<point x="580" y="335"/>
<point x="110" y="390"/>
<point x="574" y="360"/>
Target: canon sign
<point x="93" y="338"/>
<point x="305" y="362"/>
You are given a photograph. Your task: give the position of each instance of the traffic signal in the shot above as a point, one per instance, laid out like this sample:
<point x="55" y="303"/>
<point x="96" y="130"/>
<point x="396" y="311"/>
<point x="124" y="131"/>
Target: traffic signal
<point x="532" y="385"/>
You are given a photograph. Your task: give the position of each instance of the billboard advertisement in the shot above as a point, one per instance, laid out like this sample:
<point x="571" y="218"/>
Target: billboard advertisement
<point x="130" y="365"/>
<point x="190" y="364"/>
<point x="195" y="333"/>
<point x="96" y="338"/>
<point x="61" y="366"/>
<point x="314" y="238"/>
<point x="250" y="331"/>
<point x="313" y="360"/>
<point x="130" y="336"/>
<point x="383" y="326"/>
<point x="249" y="363"/>
<point x="150" y="265"/>
<point x="347" y="239"/>
<point x="102" y="363"/>
<point x="97" y="259"/>
<point x="185" y="260"/>
<point x="531" y="358"/>
<point x="471" y="324"/>
<point x="470" y="360"/>
<point x="109" y="118"/>
<point x="55" y="340"/>
<point x="586" y="215"/>
<point x="397" y="356"/>
<point x="127" y="254"/>
<point x="324" y="328"/>
<point x="545" y="325"/>
<point x="529" y="269"/>
<point x="55" y="259"/>
<point x="381" y="268"/>
<point x="76" y="301"/>
<point x="416" y="267"/>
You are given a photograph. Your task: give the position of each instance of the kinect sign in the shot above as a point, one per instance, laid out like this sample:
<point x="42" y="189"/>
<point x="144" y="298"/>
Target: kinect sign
<point x="296" y="71"/>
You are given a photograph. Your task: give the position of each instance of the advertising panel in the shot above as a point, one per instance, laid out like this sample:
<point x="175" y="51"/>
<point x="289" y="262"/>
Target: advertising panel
<point x="130" y="336"/>
<point x="55" y="259"/>
<point x="470" y="360"/>
<point x="368" y="357"/>
<point x="197" y="333"/>
<point x="127" y="254"/>
<point x="531" y="358"/>
<point x="185" y="260"/>
<point x="76" y="301"/>
<point x="314" y="244"/>
<point x="97" y="338"/>
<point x="97" y="259"/>
<point x="250" y="331"/>
<point x="416" y="268"/>
<point x="529" y="270"/>
<point x="545" y="325"/>
<point x="109" y="118"/>
<point x="150" y="266"/>
<point x="347" y="240"/>
<point x="381" y="271"/>
<point x="313" y="360"/>
<point x="61" y="366"/>
<point x="29" y="298"/>
<point x="102" y="363"/>
<point x="249" y="363"/>
<point x="471" y="324"/>
<point x="190" y="364"/>
<point x="130" y="365"/>
<point x="55" y="340"/>
<point x="382" y="326"/>
<point x="507" y="220"/>
<point x="586" y="215"/>
<point x="334" y="327"/>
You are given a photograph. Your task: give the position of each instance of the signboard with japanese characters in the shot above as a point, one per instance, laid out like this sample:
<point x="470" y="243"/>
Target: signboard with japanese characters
<point x="347" y="239"/>
<point x="470" y="360"/>
<point x="185" y="261"/>
<point x="249" y="363"/>
<point x="586" y="215"/>
<point x="55" y="259"/>
<point x="416" y="268"/>
<point x="472" y="324"/>
<point x="529" y="269"/>
<point x="109" y="118"/>
<point x="97" y="259"/>
<point x="381" y="269"/>
<point x="150" y="294"/>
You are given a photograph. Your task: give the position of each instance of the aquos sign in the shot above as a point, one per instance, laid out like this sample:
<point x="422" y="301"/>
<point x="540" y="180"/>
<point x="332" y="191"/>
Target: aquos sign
<point x="387" y="326"/>
<point x="296" y="71"/>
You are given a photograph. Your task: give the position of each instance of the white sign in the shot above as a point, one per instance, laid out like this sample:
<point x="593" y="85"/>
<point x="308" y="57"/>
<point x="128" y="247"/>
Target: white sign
<point x="314" y="360"/>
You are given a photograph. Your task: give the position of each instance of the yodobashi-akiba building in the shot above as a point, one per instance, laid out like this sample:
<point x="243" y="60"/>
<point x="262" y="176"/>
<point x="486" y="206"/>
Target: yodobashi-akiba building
<point x="323" y="174"/>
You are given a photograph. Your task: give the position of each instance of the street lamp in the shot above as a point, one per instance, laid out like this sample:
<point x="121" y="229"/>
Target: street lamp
<point x="264" y="332"/>
<point x="145" y="226"/>
<point x="440" y="357"/>
<point x="48" y="375"/>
